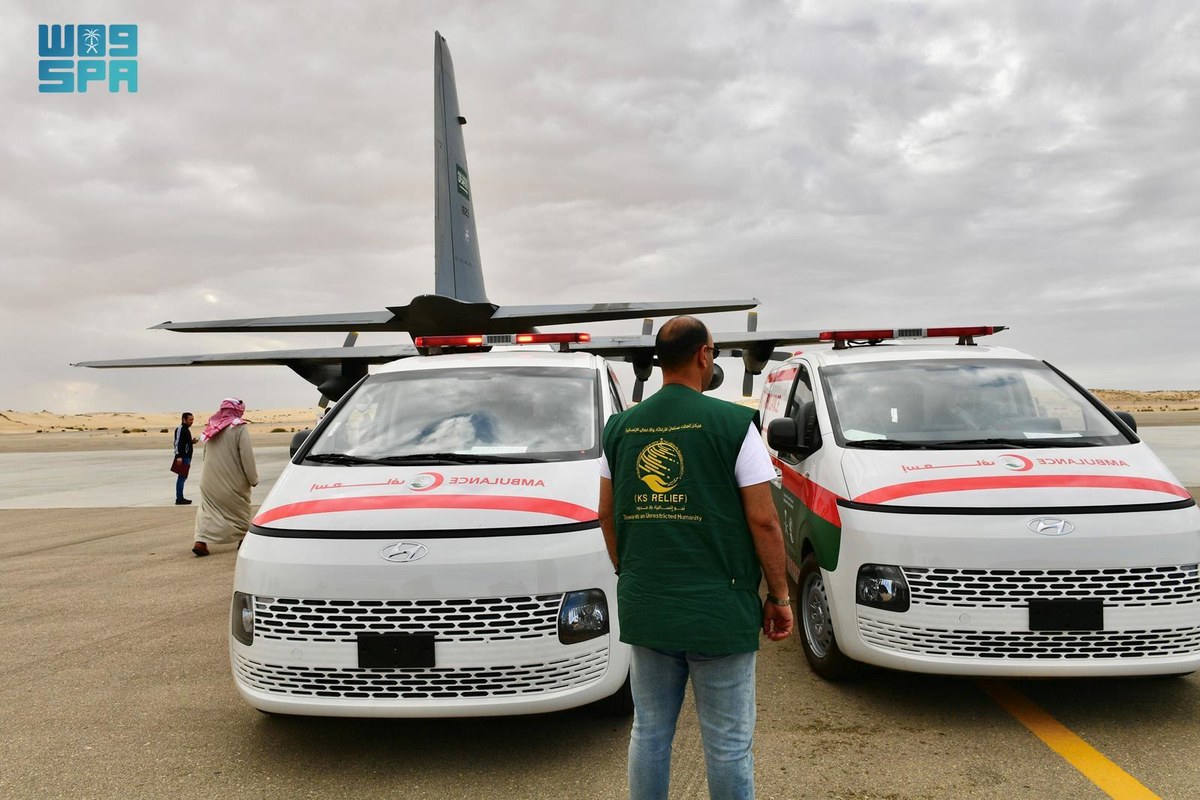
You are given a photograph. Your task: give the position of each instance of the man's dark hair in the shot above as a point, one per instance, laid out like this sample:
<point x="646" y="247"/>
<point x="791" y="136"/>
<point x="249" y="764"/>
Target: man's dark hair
<point x="183" y="417"/>
<point x="678" y="341"/>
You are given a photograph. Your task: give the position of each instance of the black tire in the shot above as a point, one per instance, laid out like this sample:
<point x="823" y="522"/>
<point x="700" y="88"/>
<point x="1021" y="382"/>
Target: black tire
<point x="618" y="704"/>
<point x="814" y="625"/>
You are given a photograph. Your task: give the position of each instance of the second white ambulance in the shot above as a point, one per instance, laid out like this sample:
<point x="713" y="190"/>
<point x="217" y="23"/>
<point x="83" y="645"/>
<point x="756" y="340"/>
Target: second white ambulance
<point x="962" y="509"/>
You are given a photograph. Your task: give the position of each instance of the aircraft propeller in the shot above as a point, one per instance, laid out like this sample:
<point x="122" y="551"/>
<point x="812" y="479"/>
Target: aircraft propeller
<point x="747" y="375"/>
<point x="643" y="364"/>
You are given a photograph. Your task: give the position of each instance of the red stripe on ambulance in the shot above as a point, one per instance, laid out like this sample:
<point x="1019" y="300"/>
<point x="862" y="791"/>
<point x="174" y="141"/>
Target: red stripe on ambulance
<point x="532" y="505"/>
<point x="899" y="490"/>
<point x="815" y="497"/>
<point x="782" y="374"/>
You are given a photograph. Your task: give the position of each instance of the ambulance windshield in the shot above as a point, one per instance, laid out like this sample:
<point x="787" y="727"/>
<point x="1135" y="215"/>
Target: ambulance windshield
<point x="466" y="415"/>
<point x="962" y="403"/>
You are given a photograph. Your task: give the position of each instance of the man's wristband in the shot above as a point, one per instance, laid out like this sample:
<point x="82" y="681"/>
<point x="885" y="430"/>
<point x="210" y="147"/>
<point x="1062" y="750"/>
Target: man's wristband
<point x="777" y="601"/>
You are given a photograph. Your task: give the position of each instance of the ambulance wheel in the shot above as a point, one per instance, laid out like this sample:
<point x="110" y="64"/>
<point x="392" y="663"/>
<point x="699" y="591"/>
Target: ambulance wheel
<point x="814" y="625"/>
<point x="618" y="704"/>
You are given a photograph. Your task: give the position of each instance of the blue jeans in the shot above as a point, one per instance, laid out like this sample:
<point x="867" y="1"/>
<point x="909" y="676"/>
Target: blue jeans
<point x="723" y="686"/>
<point x="179" y="481"/>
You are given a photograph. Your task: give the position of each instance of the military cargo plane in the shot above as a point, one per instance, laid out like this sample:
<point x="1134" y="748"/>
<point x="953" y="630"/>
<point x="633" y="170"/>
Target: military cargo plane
<point x="459" y="306"/>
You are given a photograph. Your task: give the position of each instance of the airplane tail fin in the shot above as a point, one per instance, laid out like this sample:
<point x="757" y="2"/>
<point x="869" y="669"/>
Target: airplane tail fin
<point x="458" y="272"/>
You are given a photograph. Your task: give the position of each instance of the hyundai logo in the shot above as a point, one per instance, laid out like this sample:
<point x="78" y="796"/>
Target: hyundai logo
<point x="1051" y="526"/>
<point x="404" y="552"/>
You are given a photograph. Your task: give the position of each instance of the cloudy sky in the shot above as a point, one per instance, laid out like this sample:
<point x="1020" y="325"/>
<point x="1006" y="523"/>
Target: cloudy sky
<point x="1033" y="164"/>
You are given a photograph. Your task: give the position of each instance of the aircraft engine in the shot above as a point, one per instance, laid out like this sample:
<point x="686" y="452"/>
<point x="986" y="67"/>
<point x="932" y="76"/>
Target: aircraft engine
<point x="331" y="380"/>
<point x="643" y="368"/>
<point x="338" y="385"/>
<point x="755" y="358"/>
<point x="643" y="365"/>
<point x="718" y="377"/>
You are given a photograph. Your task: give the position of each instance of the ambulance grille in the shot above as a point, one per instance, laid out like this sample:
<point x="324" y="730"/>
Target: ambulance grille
<point x="1127" y="587"/>
<point x="1030" y="645"/>
<point x="430" y="683"/>
<point x="488" y="619"/>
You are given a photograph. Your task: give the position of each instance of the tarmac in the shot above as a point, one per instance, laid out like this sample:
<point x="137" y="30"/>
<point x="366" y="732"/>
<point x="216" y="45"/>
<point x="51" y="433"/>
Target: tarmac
<point x="112" y="479"/>
<point x="115" y="682"/>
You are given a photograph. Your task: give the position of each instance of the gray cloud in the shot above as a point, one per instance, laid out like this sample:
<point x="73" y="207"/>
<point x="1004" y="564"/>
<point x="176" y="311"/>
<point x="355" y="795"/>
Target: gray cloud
<point x="1028" y="164"/>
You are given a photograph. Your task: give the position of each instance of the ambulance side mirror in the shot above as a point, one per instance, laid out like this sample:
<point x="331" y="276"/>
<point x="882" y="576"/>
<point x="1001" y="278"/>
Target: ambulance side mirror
<point x="783" y="435"/>
<point x="298" y="442"/>
<point x="1128" y="419"/>
<point x="798" y="438"/>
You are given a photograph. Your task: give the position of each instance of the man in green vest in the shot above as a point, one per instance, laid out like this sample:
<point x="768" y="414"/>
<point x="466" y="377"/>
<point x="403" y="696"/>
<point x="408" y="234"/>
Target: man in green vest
<point x="687" y="514"/>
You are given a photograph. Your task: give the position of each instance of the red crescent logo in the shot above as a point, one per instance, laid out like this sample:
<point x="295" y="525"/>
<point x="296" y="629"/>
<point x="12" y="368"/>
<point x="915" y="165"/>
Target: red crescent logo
<point x="425" y="482"/>
<point x="1015" y="462"/>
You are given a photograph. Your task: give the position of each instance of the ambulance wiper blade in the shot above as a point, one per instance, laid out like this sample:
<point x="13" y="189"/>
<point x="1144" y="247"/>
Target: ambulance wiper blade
<point x="454" y="458"/>
<point x="339" y="458"/>
<point x="887" y="444"/>
<point x="1055" y="441"/>
<point x="970" y="444"/>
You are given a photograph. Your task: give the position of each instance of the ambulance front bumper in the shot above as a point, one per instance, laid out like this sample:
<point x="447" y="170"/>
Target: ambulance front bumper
<point x="972" y="581"/>
<point x="491" y="605"/>
<point x="320" y="679"/>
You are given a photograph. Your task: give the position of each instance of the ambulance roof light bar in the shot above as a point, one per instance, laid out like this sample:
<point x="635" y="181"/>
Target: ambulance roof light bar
<point x="965" y="335"/>
<point x="482" y="340"/>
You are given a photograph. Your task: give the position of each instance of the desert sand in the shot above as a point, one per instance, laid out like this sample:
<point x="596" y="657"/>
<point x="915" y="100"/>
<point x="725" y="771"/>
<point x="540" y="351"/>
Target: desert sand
<point x="46" y="431"/>
<point x="1162" y="407"/>
<point x="130" y="422"/>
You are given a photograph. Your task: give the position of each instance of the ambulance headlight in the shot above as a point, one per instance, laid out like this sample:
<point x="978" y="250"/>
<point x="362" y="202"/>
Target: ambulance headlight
<point x="882" y="586"/>
<point x="241" y="618"/>
<point x="582" y="616"/>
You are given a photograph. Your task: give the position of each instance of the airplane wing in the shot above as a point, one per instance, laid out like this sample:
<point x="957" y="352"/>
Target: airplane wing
<point x="333" y="370"/>
<point x="755" y="348"/>
<point x="366" y="321"/>
<point x="528" y="316"/>
<point x="628" y="347"/>
<point x="437" y="315"/>
<point x="380" y="354"/>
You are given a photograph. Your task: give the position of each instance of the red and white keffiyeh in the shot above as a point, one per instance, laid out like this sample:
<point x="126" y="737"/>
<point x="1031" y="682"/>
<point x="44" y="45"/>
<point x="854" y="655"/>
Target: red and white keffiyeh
<point x="228" y="415"/>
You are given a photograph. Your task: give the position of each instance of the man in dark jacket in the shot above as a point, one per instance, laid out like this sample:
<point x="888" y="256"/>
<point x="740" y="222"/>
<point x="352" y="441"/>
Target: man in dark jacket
<point x="183" y="456"/>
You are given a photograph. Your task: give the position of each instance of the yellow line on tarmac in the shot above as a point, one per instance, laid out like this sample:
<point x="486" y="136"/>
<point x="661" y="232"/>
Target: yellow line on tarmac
<point x="1095" y="766"/>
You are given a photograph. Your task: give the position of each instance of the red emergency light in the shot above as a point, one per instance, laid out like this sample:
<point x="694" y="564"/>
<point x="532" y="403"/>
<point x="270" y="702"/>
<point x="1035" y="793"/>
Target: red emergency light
<point x="500" y="339"/>
<point x="964" y="334"/>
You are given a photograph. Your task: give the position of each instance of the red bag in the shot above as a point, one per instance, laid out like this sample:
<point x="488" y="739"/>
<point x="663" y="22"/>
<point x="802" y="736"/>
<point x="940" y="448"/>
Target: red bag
<point x="180" y="467"/>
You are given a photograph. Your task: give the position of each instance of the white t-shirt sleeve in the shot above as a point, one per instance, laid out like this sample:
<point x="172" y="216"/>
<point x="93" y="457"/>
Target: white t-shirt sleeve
<point x="753" y="462"/>
<point x="605" y="472"/>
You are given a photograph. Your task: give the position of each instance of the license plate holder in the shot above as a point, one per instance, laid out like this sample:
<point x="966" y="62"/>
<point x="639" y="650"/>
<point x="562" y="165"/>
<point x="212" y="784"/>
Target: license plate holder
<point x="377" y="650"/>
<point x="1068" y="614"/>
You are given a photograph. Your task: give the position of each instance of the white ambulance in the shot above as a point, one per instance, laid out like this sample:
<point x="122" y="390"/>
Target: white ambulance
<point x="433" y="549"/>
<point x="963" y="509"/>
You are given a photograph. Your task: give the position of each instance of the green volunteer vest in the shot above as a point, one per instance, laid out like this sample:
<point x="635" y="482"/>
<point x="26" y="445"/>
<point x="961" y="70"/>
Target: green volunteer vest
<point x="689" y="573"/>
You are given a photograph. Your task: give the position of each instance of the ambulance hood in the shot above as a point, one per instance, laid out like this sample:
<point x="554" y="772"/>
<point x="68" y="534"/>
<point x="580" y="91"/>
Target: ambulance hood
<point x="451" y="497"/>
<point x="1012" y="478"/>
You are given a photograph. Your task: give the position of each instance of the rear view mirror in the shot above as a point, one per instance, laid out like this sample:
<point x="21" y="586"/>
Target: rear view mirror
<point x="1128" y="419"/>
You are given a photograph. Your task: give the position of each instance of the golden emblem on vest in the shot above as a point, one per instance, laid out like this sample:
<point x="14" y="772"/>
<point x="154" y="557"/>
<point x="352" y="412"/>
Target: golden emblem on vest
<point x="660" y="466"/>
